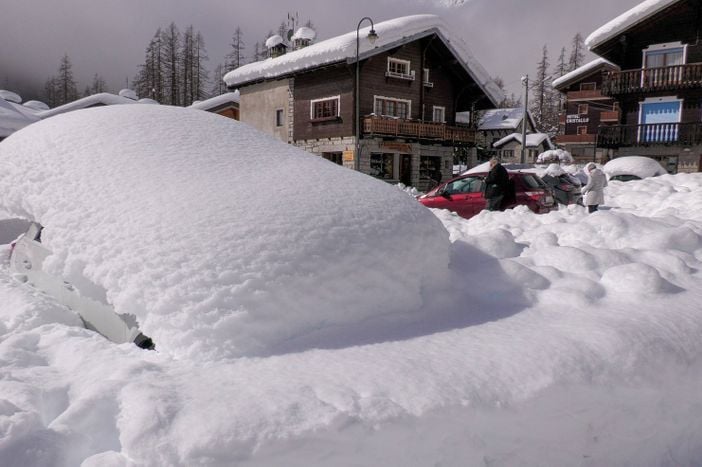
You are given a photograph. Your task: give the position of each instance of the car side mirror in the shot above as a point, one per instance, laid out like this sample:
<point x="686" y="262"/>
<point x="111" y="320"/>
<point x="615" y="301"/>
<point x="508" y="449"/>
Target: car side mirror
<point x="445" y="194"/>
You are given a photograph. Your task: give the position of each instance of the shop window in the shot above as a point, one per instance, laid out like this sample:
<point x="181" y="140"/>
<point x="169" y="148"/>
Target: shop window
<point x="382" y="165"/>
<point x="335" y="157"/>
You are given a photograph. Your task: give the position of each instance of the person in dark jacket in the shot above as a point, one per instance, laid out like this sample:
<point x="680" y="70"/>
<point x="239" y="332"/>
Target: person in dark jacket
<point x="496" y="185"/>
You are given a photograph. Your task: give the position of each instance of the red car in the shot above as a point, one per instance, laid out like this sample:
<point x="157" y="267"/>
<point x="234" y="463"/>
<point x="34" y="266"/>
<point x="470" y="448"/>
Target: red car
<point x="464" y="195"/>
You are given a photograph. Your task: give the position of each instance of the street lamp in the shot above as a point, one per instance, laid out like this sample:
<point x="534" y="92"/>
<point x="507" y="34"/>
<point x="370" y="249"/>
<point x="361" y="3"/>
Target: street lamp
<point x="372" y="36"/>
<point x="525" y="118"/>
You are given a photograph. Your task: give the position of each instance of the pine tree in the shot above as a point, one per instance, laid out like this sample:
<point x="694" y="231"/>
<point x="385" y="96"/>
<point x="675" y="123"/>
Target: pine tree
<point x="236" y="57"/>
<point x="51" y="92"/>
<point x="67" y="88"/>
<point x="200" y="73"/>
<point x="283" y="30"/>
<point x="172" y="62"/>
<point x="259" y="52"/>
<point x="98" y="85"/>
<point x="577" y="52"/>
<point x="544" y="107"/>
<point x="218" y="85"/>
<point x="150" y="79"/>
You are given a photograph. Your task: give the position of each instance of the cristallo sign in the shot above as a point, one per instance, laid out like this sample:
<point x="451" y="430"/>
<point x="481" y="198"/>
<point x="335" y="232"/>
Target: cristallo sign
<point x="575" y="118"/>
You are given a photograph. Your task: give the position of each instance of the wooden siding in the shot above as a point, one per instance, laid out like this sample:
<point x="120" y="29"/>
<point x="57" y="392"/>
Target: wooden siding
<point x="448" y="80"/>
<point x="679" y="22"/>
<point x="337" y="81"/>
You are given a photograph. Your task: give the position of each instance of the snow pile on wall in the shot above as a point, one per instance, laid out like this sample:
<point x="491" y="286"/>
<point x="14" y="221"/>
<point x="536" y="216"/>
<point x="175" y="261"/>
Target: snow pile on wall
<point x="221" y="240"/>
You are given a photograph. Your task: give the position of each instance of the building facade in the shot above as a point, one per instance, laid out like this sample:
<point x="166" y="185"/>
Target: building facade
<point x="411" y="84"/>
<point x="659" y="85"/>
<point x="585" y="108"/>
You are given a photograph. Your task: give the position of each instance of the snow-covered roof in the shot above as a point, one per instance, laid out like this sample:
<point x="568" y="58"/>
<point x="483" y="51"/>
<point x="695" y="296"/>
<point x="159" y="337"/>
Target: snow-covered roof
<point x="36" y="105"/>
<point x="274" y="40"/>
<point x="501" y="119"/>
<point x="129" y="94"/>
<point x="640" y="166"/>
<point x="532" y="139"/>
<point x="304" y="33"/>
<point x="13" y="117"/>
<point x="103" y="98"/>
<point x="10" y="96"/>
<point x="621" y="23"/>
<point x="213" y="102"/>
<point x="582" y="72"/>
<point x="155" y="204"/>
<point x="343" y="48"/>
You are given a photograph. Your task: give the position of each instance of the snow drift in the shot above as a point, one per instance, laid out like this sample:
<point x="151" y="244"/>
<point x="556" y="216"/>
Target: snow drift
<point x="163" y="207"/>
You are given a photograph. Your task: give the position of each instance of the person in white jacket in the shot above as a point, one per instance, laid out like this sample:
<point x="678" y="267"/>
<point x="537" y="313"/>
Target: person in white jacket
<point x="593" y="191"/>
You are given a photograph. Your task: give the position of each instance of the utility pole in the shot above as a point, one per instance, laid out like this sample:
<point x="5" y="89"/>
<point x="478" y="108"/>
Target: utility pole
<point x="525" y="118"/>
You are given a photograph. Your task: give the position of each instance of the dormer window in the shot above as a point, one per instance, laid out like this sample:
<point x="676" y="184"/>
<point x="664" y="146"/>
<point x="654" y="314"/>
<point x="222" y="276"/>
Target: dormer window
<point x="399" y="69"/>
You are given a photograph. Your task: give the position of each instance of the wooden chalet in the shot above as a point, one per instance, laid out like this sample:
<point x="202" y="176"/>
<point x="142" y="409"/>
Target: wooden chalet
<point x="585" y="108"/>
<point x="413" y="80"/>
<point x="659" y="85"/>
<point x="226" y="104"/>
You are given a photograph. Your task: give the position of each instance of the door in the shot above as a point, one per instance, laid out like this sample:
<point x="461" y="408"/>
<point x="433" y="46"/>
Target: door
<point x="660" y="121"/>
<point x="406" y="169"/>
<point x="463" y="196"/>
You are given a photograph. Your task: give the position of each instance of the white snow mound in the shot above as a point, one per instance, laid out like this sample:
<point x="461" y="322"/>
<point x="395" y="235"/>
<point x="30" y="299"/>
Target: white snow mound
<point x="221" y="240"/>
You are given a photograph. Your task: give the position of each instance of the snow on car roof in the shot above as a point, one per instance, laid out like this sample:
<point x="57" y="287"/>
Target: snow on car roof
<point x="212" y="233"/>
<point x="102" y="98"/>
<point x="343" y="48"/>
<point x="640" y="166"/>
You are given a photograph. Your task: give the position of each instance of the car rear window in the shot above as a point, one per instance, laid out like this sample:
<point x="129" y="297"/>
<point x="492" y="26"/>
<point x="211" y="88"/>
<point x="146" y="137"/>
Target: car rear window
<point x="532" y="181"/>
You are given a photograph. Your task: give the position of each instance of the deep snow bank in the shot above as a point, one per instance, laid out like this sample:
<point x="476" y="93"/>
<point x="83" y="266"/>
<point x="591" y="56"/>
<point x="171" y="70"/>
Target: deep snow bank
<point x="221" y="240"/>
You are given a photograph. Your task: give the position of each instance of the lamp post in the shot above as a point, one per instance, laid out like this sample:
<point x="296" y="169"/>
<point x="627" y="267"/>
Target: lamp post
<point x="372" y="36"/>
<point x="525" y="82"/>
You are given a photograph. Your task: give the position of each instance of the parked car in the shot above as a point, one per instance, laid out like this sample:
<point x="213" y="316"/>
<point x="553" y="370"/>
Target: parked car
<point x="629" y="168"/>
<point x="566" y="189"/>
<point x="464" y="195"/>
<point x="27" y="254"/>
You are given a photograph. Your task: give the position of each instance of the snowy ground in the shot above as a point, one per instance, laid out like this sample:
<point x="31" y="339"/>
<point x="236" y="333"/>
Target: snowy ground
<point x="558" y="339"/>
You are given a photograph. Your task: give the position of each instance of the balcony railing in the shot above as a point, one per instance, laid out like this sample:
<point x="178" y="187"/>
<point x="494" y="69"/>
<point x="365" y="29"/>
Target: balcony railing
<point x="609" y="116"/>
<point x="419" y="130"/>
<point x="586" y="94"/>
<point x="667" y="134"/>
<point x="652" y="79"/>
<point x="583" y="139"/>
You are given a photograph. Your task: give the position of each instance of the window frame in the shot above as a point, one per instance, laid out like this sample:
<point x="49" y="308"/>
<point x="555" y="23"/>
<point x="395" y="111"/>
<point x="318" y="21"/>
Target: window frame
<point x="393" y="99"/>
<point x="443" y="113"/>
<point x="322" y="100"/>
<point x="279" y="118"/>
<point x="583" y="106"/>
<point x="586" y="85"/>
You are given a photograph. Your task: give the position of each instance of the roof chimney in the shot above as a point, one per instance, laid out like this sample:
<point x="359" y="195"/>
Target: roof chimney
<point x="276" y="46"/>
<point x="303" y="37"/>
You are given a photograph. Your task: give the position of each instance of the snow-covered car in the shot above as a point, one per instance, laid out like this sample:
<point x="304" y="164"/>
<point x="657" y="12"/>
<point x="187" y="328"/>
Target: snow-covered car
<point x="629" y="168"/>
<point x="27" y="256"/>
<point x="160" y="212"/>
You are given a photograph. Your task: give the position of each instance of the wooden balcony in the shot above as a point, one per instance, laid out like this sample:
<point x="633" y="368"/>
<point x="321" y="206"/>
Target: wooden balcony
<point x="415" y="129"/>
<point x="668" y="78"/>
<point x="576" y="139"/>
<point x="585" y="95"/>
<point x="658" y="134"/>
<point x="611" y="116"/>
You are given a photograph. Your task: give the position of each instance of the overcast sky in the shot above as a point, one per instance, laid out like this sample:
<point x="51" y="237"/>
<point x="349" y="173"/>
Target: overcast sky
<point x="108" y="37"/>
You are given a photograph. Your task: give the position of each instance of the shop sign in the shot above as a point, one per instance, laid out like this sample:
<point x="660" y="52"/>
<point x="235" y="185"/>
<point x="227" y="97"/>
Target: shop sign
<point x="575" y="118"/>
